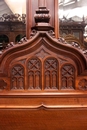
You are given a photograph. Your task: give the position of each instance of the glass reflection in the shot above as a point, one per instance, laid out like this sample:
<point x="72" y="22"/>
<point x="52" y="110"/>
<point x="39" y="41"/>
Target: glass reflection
<point x="12" y="22"/>
<point x="70" y="11"/>
<point x="12" y="10"/>
<point x="74" y="9"/>
<point x="73" y="19"/>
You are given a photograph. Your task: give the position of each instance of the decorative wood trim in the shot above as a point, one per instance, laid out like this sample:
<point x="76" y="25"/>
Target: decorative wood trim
<point x="46" y="107"/>
<point x="28" y="18"/>
<point x="60" y="94"/>
<point x="56" y="19"/>
<point x="47" y="101"/>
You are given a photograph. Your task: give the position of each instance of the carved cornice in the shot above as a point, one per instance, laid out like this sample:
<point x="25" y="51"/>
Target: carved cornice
<point x="61" y="102"/>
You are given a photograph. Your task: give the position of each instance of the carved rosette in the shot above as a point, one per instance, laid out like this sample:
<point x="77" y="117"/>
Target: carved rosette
<point x="82" y="85"/>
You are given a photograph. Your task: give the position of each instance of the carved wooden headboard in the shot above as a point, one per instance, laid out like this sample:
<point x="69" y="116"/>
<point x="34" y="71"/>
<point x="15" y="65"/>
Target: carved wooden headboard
<point x="43" y="83"/>
<point x="42" y="64"/>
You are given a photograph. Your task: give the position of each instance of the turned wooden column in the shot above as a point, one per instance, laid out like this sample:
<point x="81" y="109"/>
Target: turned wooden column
<point x="28" y="18"/>
<point x="41" y="2"/>
<point x="56" y="18"/>
<point x="32" y="5"/>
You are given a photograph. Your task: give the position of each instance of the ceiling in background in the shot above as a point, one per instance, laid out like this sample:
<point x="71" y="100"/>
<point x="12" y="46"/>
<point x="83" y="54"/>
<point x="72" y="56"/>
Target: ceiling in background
<point x="4" y="8"/>
<point x="72" y="3"/>
<point x="12" y="7"/>
<point x="17" y="6"/>
<point x="67" y="8"/>
<point x="73" y="8"/>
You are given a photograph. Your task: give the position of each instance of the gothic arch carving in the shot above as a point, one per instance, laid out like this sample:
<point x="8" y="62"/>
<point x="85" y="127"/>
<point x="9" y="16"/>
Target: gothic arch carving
<point x="68" y="76"/>
<point x="17" y="77"/>
<point x="51" y="73"/>
<point x="51" y="44"/>
<point x="43" y="47"/>
<point x="34" y="73"/>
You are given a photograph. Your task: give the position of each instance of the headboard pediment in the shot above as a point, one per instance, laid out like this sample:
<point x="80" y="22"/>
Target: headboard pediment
<point x="42" y="58"/>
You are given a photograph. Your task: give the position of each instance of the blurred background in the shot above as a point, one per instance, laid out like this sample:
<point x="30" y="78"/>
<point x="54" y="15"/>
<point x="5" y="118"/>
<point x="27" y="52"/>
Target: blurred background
<point x="72" y="20"/>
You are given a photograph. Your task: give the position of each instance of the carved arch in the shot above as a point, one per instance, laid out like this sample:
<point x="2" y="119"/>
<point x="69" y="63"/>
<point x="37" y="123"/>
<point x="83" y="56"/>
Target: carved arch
<point x="51" y="73"/>
<point x="17" y="77"/>
<point x="34" y="72"/>
<point x="51" y="44"/>
<point x="68" y="76"/>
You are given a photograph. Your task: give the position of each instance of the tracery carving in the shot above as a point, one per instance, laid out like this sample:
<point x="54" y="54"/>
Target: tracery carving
<point x="62" y="59"/>
<point x="17" y="77"/>
<point x="51" y="73"/>
<point x="82" y="84"/>
<point x="3" y="84"/>
<point x="42" y="53"/>
<point x="34" y="74"/>
<point x="67" y="77"/>
<point x="22" y="61"/>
